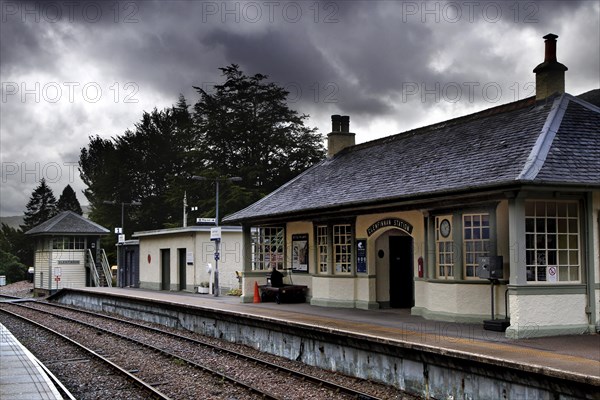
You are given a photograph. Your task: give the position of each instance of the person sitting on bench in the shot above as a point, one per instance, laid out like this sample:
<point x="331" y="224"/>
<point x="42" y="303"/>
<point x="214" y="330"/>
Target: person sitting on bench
<point x="276" y="278"/>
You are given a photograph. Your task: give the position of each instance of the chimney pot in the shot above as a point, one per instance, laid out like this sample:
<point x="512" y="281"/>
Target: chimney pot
<point x="340" y="136"/>
<point x="336" y="121"/>
<point x="345" y="123"/>
<point x="550" y="42"/>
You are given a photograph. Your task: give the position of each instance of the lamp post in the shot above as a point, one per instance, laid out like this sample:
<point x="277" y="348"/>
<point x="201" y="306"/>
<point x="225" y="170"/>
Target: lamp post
<point x="123" y="204"/>
<point x="217" y="241"/>
<point x="133" y="203"/>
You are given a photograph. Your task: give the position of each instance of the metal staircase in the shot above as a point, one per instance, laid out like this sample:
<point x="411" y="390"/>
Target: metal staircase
<point x="101" y="275"/>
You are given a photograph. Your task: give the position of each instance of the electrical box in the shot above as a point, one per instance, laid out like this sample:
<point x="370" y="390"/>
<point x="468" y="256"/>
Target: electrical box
<point x="490" y="267"/>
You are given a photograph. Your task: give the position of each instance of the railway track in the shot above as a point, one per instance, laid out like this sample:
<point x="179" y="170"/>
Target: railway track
<point x="261" y="377"/>
<point x="8" y="297"/>
<point x="117" y="382"/>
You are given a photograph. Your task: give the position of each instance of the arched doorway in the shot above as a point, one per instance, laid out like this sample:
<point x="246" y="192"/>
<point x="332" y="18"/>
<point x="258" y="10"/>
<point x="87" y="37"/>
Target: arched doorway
<point x="401" y="272"/>
<point x="394" y="269"/>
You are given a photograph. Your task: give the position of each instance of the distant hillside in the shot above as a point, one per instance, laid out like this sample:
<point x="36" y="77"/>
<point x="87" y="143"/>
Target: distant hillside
<point x="13" y="221"/>
<point x="16" y="220"/>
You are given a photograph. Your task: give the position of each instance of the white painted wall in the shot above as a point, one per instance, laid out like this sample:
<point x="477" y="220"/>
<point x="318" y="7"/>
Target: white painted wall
<point x="458" y="301"/>
<point x="203" y="253"/>
<point x="330" y="288"/>
<point x="46" y="263"/>
<point x="543" y="312"/>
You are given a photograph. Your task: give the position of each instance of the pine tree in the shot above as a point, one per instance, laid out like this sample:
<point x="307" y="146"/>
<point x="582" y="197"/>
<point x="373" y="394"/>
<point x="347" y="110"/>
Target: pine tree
<point x="68" y="201"/>
<point x="41" y="206"/>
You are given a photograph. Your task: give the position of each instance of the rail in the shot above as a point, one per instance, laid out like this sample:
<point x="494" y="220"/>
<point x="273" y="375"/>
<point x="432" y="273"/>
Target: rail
<point x="154" y="393"/>
<point x="93" y="269"/>
<point x="216" y="348"/>
<point x="106" y="269"/>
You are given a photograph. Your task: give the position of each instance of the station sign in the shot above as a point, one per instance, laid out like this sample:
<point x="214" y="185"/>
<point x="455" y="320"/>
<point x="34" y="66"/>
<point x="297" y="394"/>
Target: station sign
<point x="206" y="221"/>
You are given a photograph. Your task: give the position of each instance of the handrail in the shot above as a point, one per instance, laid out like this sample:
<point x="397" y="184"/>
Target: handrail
<point x="93" y="270"/>
<point x="106" y="268"/>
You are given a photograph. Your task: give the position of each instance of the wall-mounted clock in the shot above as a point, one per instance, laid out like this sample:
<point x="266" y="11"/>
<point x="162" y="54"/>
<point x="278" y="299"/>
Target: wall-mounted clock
<point x="445" y="228"/>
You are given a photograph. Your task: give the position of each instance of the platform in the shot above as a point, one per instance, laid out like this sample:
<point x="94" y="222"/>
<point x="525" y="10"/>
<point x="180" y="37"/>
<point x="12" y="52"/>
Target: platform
<point x="566" y="359"/>
<point x="21" y="376"/>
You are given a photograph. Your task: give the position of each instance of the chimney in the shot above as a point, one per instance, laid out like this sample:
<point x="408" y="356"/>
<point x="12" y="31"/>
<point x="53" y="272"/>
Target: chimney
<point x="549" y="75"/>
<point x="340" y="136"/>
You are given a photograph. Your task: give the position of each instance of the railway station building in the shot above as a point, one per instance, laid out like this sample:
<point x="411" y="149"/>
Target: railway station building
<point x="405" y="220"/>
<point x="67" y="254"/>
<point x="181" y="259"/>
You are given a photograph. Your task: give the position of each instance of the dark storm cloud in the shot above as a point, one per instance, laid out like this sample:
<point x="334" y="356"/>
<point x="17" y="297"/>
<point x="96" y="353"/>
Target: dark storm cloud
<point x="21" y="47"/>
<point x="371" y="60"/>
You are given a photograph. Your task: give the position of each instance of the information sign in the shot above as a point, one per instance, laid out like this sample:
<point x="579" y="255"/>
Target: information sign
<point x="361" y="256"/>
<point x="215" y="233"/>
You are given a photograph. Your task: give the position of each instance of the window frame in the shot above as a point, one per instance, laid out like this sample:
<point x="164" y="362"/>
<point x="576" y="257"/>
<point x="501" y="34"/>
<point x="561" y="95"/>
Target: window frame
<point x="329" y="229"/>
<point x="323" y="243"/>
<point x="68" y="243"/>
<point x="555" y="239"/>
<point x="344" y="249"/>
<point x="448" y="249"/>
<point x="261" y="240"/>
<point x="486" y="243"/>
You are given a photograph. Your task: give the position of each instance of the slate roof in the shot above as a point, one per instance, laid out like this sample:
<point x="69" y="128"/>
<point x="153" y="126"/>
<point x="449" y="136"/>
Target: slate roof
<point x="553" y="141"/>
<point x="68" y="222"/>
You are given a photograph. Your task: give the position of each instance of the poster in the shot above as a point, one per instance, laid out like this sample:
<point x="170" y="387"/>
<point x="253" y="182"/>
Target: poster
<point x="300" y="252"/>
<point x="361" y="256"/>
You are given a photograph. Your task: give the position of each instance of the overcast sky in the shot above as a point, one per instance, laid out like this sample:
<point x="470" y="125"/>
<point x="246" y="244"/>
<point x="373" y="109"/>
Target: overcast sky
<point x="71" y="69"/>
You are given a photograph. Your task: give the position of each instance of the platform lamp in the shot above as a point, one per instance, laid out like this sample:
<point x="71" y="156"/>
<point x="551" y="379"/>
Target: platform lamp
<point x="217" y="241"/>
<point x="122" y="228"/>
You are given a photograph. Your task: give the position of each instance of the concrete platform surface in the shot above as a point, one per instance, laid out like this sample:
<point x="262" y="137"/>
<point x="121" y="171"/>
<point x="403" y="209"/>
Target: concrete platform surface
<point x="569" y="357"/>
<point x="21" y="376"/>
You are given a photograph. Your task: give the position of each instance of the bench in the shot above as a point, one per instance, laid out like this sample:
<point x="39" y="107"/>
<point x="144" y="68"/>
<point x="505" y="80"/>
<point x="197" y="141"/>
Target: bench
<point x="276" y="290"/>
<point x="283" y="294"/>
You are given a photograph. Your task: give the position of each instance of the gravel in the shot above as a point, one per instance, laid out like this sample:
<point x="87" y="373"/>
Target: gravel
<point x="22" y="289"/>
<point x="157" y="370"/>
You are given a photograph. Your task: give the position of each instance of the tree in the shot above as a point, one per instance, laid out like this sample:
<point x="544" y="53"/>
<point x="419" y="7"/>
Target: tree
<point x="12" y="268"/>
<point x="13" y="241"/>
<point x="68" y="201"/>
<point x="248" y="130"/>
<point x="244" y="129"/>
<point x="41" y="206"/>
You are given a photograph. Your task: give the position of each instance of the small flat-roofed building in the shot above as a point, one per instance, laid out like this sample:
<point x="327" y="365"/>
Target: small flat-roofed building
<point x="177" y="259"/>
<point x="68" y="253"/>
<point x="415" y="219"/>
